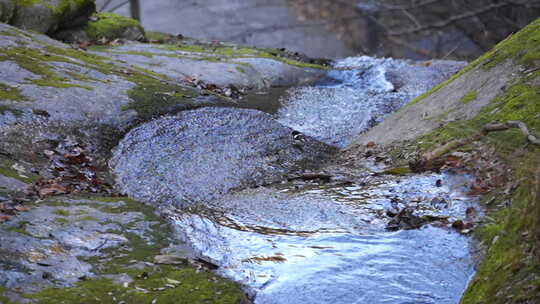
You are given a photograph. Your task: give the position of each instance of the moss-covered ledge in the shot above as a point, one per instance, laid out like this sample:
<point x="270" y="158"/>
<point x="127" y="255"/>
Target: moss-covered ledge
<point x="47" y="16"/>
<point x="510" y="234"/>
<point x="109" y="26"/>
<point x="446" y="126"/>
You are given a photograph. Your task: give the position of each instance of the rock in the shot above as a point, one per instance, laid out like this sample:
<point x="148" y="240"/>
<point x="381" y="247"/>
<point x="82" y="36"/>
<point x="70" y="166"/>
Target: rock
<point x="221" y="65"/>
<point x="44" y="244"/>
<point x="11" y="184"/>
<point x="421" y="117"/>
<point x="48" y="16"/>
<point x="7" y="9"/>
<point x="104" y="27"/>
<point x="50" y="92"/>
<point x="200" y="155"/>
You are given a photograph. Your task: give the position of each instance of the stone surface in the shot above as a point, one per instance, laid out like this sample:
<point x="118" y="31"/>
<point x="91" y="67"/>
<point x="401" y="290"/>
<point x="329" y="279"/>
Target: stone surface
<point x="57" y="91"/>
<point x="200" y="155"/>
<point x="48" y="16"/>
<point x="46" y="244"/>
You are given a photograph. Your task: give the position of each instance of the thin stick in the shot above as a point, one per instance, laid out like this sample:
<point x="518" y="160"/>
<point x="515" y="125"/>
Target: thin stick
<point x="492" y="127"/>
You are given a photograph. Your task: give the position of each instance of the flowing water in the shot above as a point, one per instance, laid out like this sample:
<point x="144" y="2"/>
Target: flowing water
<point x="317" y="241"/>
<point x="320" y="243"/>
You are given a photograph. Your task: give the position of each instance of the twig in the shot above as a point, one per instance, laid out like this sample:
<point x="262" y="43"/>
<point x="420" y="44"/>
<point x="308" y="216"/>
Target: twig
<point x="105" y="5"/>
<point x="450" y="19"/>
<point x="118" y="6"/>
<point x="512" y="124"/>
<point x="429" y="157"/>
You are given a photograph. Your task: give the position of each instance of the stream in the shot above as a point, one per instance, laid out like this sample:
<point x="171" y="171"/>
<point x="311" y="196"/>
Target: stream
<point x="226" y="177"/>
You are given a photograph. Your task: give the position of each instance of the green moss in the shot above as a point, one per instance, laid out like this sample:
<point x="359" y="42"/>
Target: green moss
<point x="56" y="203"/>
<point x="151" y="96"/>
<point x="240" y="69"/>
<point x="158" y="36"/>
<point x="35" y="61"/>
<point x="193" y="288"/>
<point x="398" y="171"/>
<point x="510" y="273"/>
<point x="88" y="218"/>
<point x="57" y="84"/>
<point x="61" y="212"/>
<point x="110" y="26"/>
<point x="3" y="298"/>
<point x="8" y="33"/>
<point x="154" y="98"/>
<point x="19" y="230"/>
<point x="470" y="96"/>
<point x="27" y="3"/>
<point x="140" y="53"/>
<point x="4" y="109"/>
<point x="511" y="268"/>
<point x="10" y="93"/>
<point x="9" y="172"/>
<point x="61" y="220"/>
<point x="523" y="47"/>
<point x="520" y="102"/>
<point x="241" y="52"/>
<point x="81" y="6"/>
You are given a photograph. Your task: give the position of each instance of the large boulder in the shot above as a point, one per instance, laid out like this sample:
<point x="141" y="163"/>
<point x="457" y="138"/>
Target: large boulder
<point x="201" y="155"/>
<point x="48" y="16"/>
<point x="102" y="28"/>
<point x="7" y="9"/>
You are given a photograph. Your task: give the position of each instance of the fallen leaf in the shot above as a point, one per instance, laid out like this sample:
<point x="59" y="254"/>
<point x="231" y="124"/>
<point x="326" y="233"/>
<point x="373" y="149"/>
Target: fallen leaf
<point x="52" y="189"/>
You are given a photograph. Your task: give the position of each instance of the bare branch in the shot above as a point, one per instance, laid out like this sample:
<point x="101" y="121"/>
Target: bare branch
<point x="512" y="124"/>
<point x="429" y="157"/>
<point x="450" y="19"/>
<point x="119" y="6"/>
<point x="105" y="5"/>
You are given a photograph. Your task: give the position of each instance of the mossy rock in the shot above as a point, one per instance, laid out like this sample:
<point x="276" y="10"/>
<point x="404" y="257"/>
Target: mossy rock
<point x="464" y="96"/>
<point x="110" y="26"/>
<point x="7" y="9"/>
<point x="49" y="16"/>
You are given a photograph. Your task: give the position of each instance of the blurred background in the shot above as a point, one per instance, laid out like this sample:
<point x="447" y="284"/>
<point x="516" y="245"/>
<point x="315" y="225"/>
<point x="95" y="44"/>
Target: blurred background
<point x="415" y="29"/>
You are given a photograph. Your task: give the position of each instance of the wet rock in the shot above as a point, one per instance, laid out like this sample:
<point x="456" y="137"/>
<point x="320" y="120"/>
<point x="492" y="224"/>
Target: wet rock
<point x="200" y="155"/>
<point x="462" y="225"/>
<point x="405" y="219"/>
<point x="42" y="246"/>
